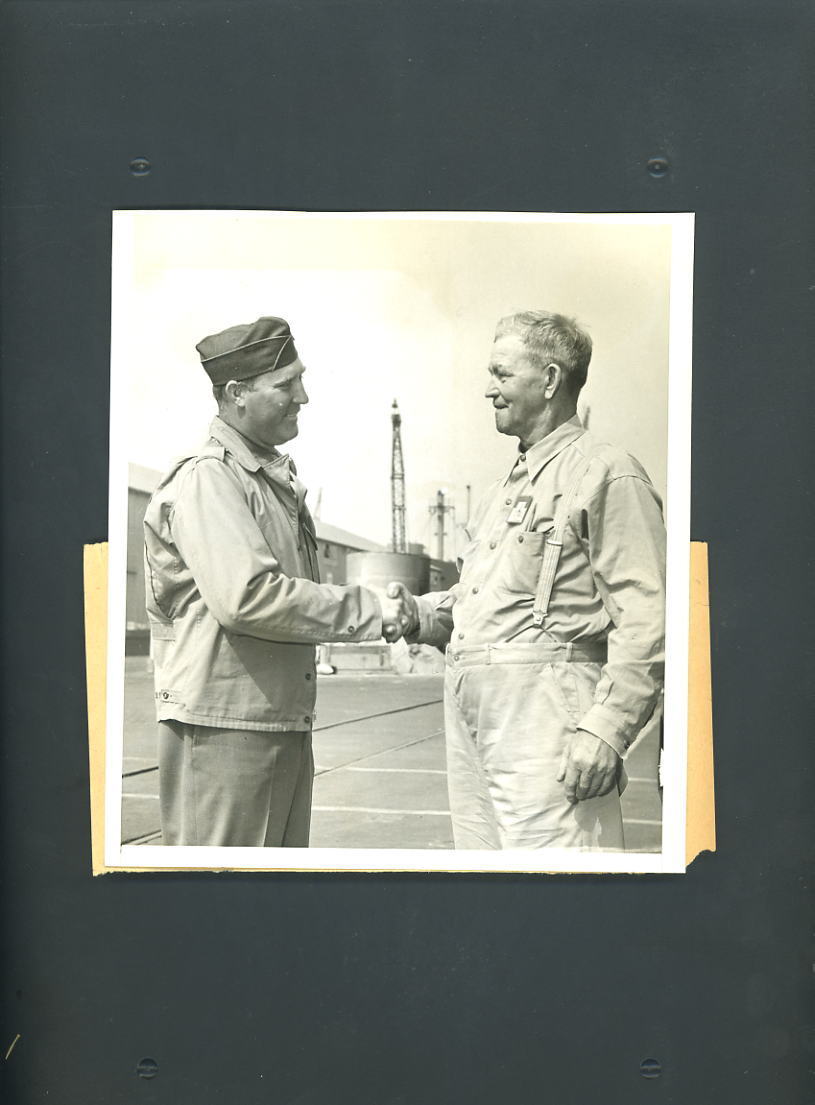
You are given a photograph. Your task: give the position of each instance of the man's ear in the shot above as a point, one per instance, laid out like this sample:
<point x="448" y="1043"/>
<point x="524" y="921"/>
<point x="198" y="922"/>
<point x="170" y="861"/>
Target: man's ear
<point x="233" y="390"/>
<point x="553" y="378"/>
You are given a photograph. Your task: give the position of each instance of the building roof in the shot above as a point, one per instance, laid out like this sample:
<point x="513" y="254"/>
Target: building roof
<point x="140" y="478"/>
<point x="337" y="536"/>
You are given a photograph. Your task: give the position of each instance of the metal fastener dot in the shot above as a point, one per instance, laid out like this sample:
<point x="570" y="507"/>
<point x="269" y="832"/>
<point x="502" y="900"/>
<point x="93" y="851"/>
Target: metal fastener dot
<point x="650" y="1068"/>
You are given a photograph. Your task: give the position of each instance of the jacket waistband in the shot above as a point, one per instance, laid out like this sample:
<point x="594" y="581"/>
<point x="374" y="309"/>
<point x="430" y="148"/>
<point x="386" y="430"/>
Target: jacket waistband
<point x="543" y="652"/>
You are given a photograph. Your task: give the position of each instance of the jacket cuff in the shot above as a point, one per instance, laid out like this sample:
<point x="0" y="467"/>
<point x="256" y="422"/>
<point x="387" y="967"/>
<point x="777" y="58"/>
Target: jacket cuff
<point x="377" y="622"/>
<point x="607" y="725"/>
<point x="425" y="631"/>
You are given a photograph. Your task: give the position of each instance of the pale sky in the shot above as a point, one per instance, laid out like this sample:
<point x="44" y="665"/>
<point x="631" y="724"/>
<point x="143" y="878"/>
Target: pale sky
<point x="383" y="309"/>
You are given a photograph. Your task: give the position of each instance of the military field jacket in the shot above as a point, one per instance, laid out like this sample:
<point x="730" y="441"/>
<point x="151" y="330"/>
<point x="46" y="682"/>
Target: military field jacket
<point x="233" y="594"/>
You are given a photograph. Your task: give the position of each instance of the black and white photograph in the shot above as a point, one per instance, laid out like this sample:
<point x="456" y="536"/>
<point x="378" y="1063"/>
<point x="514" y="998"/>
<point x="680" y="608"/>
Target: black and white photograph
<point x="399" y="541"/>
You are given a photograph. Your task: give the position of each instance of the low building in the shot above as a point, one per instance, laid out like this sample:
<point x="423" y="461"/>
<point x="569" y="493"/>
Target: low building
<point x="443" y="574"/>
<point x="334" y="545"/>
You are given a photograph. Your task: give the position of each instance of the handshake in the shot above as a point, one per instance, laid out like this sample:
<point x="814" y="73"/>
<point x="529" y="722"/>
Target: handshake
<point x="400" y="614"/>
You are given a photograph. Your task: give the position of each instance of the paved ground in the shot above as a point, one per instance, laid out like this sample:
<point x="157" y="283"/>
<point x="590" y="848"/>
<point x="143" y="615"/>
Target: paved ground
<point x="379" y="753"/>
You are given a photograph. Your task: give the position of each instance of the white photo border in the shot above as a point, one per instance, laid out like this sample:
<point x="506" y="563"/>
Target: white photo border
<point x="672" y="858"/>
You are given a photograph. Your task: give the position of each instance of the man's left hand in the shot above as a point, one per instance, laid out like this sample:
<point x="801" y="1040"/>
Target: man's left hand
<point x="588" y="767"/>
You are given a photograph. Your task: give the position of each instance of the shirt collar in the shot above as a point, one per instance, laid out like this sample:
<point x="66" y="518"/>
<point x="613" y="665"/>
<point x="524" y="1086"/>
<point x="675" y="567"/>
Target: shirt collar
<point x="539" y="454"/>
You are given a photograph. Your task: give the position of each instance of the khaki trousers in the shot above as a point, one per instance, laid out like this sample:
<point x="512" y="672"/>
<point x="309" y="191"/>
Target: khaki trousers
<point x="234" y="787"/>
<point x="509" y="711"/>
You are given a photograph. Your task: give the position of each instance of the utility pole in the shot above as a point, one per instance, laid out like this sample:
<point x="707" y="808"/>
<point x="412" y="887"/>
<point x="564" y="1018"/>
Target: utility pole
<point x="398" y="539"/>
<point x="439" y="509"/>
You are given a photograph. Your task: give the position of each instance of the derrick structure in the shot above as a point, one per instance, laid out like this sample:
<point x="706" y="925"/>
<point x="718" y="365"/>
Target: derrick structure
<point x="398" y="536"/>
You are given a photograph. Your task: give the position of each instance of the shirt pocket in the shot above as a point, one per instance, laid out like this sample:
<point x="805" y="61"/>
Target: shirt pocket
<point x="521" y="568"/>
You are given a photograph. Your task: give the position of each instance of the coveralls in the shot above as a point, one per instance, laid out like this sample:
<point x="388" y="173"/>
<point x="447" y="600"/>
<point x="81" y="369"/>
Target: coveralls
<point x="516" y="691"/>
<point x="236" y="609"/>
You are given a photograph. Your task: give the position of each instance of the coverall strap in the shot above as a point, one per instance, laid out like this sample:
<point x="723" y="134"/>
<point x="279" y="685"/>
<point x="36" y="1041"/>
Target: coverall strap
<point x="552" y="547"/>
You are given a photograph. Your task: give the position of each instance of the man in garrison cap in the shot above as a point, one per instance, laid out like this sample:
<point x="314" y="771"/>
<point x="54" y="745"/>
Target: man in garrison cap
<point x="555" y="630"/>
<point x="236" y="608"/>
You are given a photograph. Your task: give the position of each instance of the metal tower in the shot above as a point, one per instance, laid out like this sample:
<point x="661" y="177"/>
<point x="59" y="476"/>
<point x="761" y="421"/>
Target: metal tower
<point x="398" y="539"/>
<point x="438" y="511"/>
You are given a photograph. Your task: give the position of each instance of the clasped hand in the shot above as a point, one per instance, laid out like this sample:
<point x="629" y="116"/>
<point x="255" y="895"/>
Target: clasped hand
<point x="588" y="767"/>
<point x="400" y="615"/>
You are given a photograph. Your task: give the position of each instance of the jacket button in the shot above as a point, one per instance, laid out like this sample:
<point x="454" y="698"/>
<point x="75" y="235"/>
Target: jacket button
<point x="475" y="590"/>
<point x="308" y="675"/>
<point x="165" y="694"/>
<point x="460" y="636"/>
<point x="508" y="502"/>
<point x="493" y="544"/>
<point x="352" y="628"/>
<point x="520" y="539"/>
<point x="307" y="719"/>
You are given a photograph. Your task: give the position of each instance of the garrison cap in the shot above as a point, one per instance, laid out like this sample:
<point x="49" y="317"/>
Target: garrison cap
<point x="247" y="350"/>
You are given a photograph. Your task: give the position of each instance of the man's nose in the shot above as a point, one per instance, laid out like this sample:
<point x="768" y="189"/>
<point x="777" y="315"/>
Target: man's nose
<point x="491" y="391"/>
<point x="301" y="396"/>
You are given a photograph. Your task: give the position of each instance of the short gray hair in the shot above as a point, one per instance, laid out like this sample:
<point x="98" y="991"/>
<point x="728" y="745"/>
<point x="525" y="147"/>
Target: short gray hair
<point x="551" y="337"/>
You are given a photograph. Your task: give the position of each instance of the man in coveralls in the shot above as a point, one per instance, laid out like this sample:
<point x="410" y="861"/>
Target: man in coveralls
<point x="236" y="608"/>
<point x="555" y="659"/>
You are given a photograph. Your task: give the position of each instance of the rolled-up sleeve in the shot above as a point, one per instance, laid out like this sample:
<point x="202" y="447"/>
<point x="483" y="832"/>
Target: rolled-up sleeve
<point x="626" y="547"/>
<point x="241" y="582"/>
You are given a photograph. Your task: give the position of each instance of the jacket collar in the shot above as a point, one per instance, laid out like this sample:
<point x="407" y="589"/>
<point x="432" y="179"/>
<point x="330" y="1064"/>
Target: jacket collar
<point x="538" y="456"/>
<point x="278" y="467"/>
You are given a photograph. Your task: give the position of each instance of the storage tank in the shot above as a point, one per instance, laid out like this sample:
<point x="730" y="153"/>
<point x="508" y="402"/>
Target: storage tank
<point x="378" y="569"/>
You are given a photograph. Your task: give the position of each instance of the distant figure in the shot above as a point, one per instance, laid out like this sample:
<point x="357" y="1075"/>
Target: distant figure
<point x="555" y="659"/>
<point x="236" y="608"/>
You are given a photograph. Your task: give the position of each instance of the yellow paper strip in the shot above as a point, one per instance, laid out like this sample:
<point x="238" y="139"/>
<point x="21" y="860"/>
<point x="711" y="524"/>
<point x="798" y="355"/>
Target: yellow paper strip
<point x="701" y="828"/>
<point x="96" y="621"/>
<point x="700" y="833"/>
